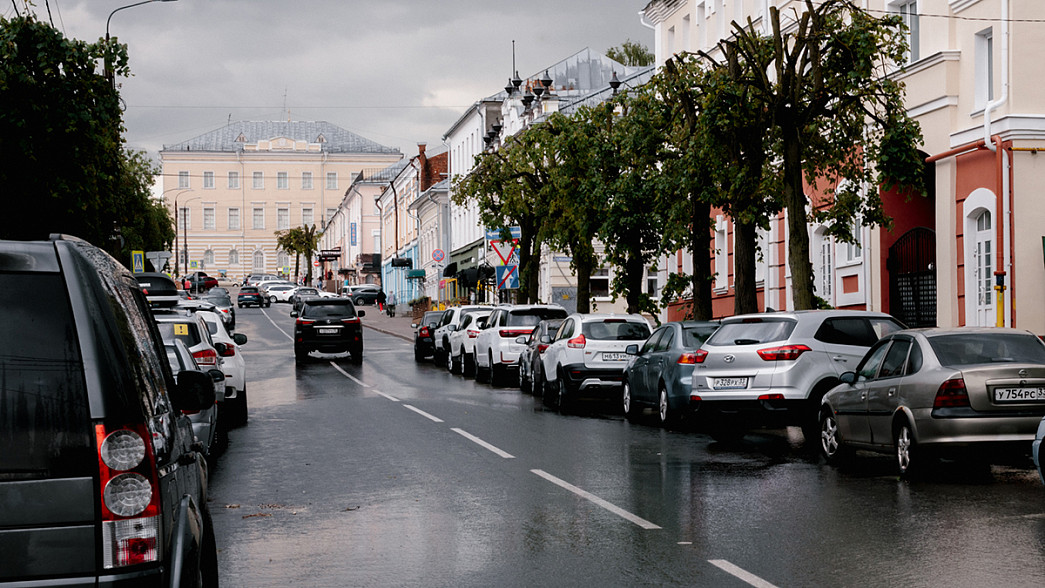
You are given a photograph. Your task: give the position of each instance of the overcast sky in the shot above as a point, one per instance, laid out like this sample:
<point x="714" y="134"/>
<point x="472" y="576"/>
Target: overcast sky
<point x="398" y="72"/>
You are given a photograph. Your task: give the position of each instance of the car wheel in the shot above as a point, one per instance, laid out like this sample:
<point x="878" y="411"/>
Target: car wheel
<point x="628" y="403"/>
<point x="272" y="299"/>
<point x="268" y="303"/>
<point x="240" y="305"/>
<point x="481" y="374"/>
<point x="664" y="409"/>
<point x="239" y="408"/>
<point x="524" y="384"/>
<point x="831" y="446"/>
<point x="208" y="551"/>
<point x="906" y="450"/>
<point x="419" y="355"/>
<point x="565" y="402"/>
<point x="537" y="383"/>
<point x="450" y="364"/>
<point x="300" y="355"/>
<point x="357" y="355"/>
<point x="467" y="365"/>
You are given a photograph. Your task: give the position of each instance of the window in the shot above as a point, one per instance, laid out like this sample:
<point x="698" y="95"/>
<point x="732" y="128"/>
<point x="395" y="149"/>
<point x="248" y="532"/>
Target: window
<point x="208" y="180"/>
<point x="306" y="180"/>
<point x="984" y="68"/>
<point x="233" y="180"/>
<point x="282" y="260"/>
<point x="652" y="287"/>
<point x="599" y="284"/>
<point x="234" y="222"/>
<point x="183" y="179"/>
<point x="208" y="218"/>
<point x="233" y="257"/>
<point x="208" y="258"/>
<point x="908" y="10"/>
<point x="330" y="214"/>
<point x="721" y="254"/>
<point x="259" y="217"/>
<point x="259" y="261"/>
<point x="331" y="180"/>
<point x="282" y="181"/>
<point x="826" y="277"/>
<point x="259" y="181"/>
<point x="282" y="218"/>
<point x="307" y="218"/>
<point x="895" y="359"/>
<point x="854" y="251"/>
<point x="984" y="273"/>
<point x="184" y="219"/>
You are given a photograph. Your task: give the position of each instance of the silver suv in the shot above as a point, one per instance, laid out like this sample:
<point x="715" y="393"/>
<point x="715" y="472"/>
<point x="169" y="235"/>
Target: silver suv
<point x="772" y="369"/>
<point x="588" y="355"/>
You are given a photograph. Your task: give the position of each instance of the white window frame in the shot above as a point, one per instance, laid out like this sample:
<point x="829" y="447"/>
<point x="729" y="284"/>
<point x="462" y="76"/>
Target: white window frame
<point x="984" y="69"/>
<point x="282" y="181"/>
<point x="208" y="258"/>
<point x="283" y="217"/>
<point x="254" y="217"/>
<point x="258" y="180"/>
<point x="183" y="179"/>
<point x="306" y="180"/>
<point x="233" y="257"/>
<point x="233" y="180"/>
<point x="308" y="216"/>
<point x="209" y="217"/>
<point x="331" y="180"/>
<point x="235" y="216"/>
<point x="908" y="12"/>
<point x="600" y="274"/>
<point x="721" y="283"/>
<point x="257" y="261"/>
<point x="979" y="276"/>
<point x="208" y="180"/>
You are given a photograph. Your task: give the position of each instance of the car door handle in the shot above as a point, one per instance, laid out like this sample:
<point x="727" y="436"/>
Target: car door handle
<point x="840" y="358"/>
<point x="892" y="391"/>
<point x="863" y="396"/>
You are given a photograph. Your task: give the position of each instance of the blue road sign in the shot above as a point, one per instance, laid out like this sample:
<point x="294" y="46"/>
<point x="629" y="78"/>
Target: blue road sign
<point x="507" y="277"/>
<point x="138" y="262"/>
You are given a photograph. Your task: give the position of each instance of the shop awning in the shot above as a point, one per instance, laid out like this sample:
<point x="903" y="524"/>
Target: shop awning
<point x="415" y="274"/>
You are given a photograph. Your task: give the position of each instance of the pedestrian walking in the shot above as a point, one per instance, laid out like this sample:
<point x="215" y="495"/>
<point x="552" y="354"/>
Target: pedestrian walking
<point x="381" y="300"/>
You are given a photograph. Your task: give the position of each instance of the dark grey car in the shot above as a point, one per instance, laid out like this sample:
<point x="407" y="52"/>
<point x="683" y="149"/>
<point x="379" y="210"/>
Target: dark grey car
<point x="661" y="370"/>
<point x="101" y="479"/>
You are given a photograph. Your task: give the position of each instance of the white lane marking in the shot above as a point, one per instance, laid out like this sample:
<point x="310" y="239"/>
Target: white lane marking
<point x="482" y="443"/>
<point x="349" y="376"/>
<point x="289" y="336"/>
<point x="424" y="414"/>
<point x="589" y="496"/>
<point x="392" y="398"/>
<point x="740" y="573"/>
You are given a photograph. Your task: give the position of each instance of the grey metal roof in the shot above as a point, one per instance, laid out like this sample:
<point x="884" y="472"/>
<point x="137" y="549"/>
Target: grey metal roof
<point x="381" y="175"/>
<point x="232" y="137"/>
<point x="639" y="77"/>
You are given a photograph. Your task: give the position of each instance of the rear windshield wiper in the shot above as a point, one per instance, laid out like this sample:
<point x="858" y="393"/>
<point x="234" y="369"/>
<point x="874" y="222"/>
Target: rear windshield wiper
<point x="745" y="341"/>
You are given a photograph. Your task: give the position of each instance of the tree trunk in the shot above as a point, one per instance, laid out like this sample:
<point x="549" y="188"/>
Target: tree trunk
<point x="745" y="244"/>
<point x="797" y="230"/>
<point x="583" y="264"/>
<point x="699" y="246"/>
<point x="633" y="279"/>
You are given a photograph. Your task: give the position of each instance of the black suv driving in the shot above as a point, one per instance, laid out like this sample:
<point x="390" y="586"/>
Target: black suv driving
<point x="101" y="479"/>
<point x="328" y="325"/>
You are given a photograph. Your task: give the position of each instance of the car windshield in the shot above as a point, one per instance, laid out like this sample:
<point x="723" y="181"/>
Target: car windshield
<point x="249" y="290"/>
<point x="185" y="332"/>
<point x="695" y="336"/>
<point x="615" y="330"/>
<point x="961" y="349"/>
<point x="752" y="331"/>
<point x="307" y="291"/>
<point x="218" y="299"/>
<point x="334" y="309"/>
<point x="531" y="316"/>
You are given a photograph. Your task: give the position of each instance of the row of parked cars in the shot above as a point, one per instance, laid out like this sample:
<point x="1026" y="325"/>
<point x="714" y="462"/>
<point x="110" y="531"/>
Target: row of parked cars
<point x="103" y="475"/>
<point x="852" y="380"/>
<point x="266" y="289"/>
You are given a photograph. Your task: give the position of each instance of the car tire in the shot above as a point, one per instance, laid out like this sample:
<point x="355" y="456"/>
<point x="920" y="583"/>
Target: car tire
<point x="357" y="355"/>
<point x="468" y="365"/>
<point x="419" y="355"/>
<point x="664" y="412"/>
<point x="208" y="551"/>
<point x="565" y="402"/>
<point x="238" y="412"/>
<point x="536" y="381"/>
<point x="481" y="374"/>
<point x="525" y="386"/>
<point x="496" y="372"/>
<point x="631" y="412"/>
<point x="908" y="460"/>
<point x="300" y="355"/>
<point x="272" y="299"/>
<point x="240" y="305"/>
<point x="453" y="362"/>
<point x="831" y="446"/>
<point x="268" y="303"/>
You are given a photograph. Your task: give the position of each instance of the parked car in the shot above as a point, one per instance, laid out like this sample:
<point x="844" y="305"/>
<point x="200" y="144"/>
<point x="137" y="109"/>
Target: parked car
<point x="302" y="292"/>
<point x="460" y="357"/>
<point x="255" y="279"/>
<point x="159" y="289"/>
<point x="530" y="379"/>
<point x="960" y="391"/>
<point x="1039" y="461"/>
<point x="280" y="292"/>
<point x="190" y="328"/>
<point x="423" y="333"/>
<point x="496" y="349"/>
<point x="452" y="316"/>
<point x="199" y="282"/>
<point x="661" y="370"/>
<point x="772" y="369"/>
<point x="205" y="420"/>
<point x="233" y="365"/>
<point x="587" y="357"/>
<point x="223" y="305"/>
<point x="365" y="294"/>
<point x="251" y="296"/>
<point x="102" y="481"/>
<point x="328" y="325"/>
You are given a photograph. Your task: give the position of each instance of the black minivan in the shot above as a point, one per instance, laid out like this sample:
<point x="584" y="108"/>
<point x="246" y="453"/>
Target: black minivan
<point x="101" y="479"/>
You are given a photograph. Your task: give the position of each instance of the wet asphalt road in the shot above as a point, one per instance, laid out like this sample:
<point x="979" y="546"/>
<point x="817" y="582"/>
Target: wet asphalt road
<point x="392" y="473"/>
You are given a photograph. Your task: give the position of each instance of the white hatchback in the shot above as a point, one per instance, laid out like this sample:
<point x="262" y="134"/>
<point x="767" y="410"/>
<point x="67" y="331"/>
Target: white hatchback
<point x="233" y="365"/>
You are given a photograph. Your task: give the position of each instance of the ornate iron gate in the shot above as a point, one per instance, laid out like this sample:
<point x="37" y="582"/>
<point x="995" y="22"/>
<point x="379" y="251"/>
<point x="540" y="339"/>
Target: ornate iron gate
<point x="912" y="278"/>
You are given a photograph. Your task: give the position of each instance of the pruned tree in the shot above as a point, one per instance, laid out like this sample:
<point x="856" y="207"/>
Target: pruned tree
<point x="302" y="242"/>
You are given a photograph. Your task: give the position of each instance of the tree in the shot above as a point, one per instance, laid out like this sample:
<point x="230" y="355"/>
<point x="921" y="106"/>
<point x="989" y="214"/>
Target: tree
<point x="61" y="160"/>
<point x="825" y="84"/>
<point x="302" y="242"/>
<point x="144" y="222"/>
<point x="631" y="53"/>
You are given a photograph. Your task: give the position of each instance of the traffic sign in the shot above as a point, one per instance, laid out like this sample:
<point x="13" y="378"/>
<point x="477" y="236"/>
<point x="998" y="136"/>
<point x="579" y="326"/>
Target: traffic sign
<point x="495" y="234"/>
<point x="508" y="277"/>
<point x="504" y="250"/>
<point x="138" y="262"/>
<point x="438" y="255"/>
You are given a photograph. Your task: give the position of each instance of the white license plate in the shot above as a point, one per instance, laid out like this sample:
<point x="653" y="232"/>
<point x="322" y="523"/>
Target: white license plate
<point x="1019" y="394"/>
<point x="729" y="383"/>
<point x="614" y="356"/>
<point x="327" y="331"/>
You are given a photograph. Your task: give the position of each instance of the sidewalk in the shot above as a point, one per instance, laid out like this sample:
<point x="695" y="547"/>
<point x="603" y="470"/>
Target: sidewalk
<point x="381" y="322"/>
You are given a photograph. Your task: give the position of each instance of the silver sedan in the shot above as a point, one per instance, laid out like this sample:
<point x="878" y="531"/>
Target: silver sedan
<point x="929" y="391"/>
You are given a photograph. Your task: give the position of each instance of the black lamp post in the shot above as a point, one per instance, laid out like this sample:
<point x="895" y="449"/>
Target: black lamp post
<point x="108" y="67"/>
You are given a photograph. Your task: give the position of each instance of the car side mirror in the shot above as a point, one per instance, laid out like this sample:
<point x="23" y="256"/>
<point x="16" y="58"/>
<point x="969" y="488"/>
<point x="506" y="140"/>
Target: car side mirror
<point x="239" y="338"/>
<point x="294" y="313"/>
<point x="632" y="349"/>
<point x="216" y="375"/>
<point x="848" y="378"/>
<point x="194" y="391"/>
<point x="451" y="328"/>
<point x="522" y="339"/>
<point x="223" y="350"/>
<point x="546" y="339"/>
<point x="360" y="313"/>
<point x="413" y="325"/>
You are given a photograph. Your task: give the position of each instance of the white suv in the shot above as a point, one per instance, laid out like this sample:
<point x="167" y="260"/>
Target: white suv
<point x="587" y="356"/>
<point x="461" y="344"/>
<point x="496" y="349"/>
<point x="451" y="320"/>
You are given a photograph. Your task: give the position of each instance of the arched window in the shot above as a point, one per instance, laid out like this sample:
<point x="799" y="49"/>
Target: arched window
<point x="282" y="260"/>
<point x="983" y="241"/>
<point x="233" y="257"/>
<point x="208" y="258"/>
<point x="980" y="251"/>
<point x="259" y="261"/>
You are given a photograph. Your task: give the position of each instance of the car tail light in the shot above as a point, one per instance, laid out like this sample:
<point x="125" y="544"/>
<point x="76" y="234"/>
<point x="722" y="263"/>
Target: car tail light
<point x="692" y="358"/>
<point x="541" y="347"/>
<point x="423" y="332"/>
<point x="350" y="321"/>
<point x="951" y="394"/>
<point x="771" y="397"/>
<point x="694" y="398"/>
<point x="785" y="353"/>
<point x="472" y="334"/>
<point x="130" y="498"/>
<point x="513" y="333"/>
<point x="577" y="342"/>
<point x="302" y="321"/>
<point x="230" y="350"/>
<point x="206" y="357"/>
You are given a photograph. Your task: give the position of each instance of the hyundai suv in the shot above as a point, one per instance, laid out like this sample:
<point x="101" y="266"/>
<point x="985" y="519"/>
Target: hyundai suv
<point x="102" y="482"/>
<point x="496" y="349"/>
<point x="588" y="355"/>
<point x="772" y="369"/>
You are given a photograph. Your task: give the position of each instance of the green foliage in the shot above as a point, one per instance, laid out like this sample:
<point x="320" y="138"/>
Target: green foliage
<point x="62" y="164"/>
<point x="302" y="242"/>
<point x="144" y="222"/>
<point x="631" y="53"/>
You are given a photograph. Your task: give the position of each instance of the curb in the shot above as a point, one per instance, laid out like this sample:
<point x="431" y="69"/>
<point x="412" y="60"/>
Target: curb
<point x="387" y="332"/>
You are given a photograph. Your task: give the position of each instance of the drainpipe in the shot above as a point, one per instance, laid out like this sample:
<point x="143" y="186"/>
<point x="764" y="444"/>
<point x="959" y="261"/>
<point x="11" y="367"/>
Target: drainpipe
<point x="994" y="144"/>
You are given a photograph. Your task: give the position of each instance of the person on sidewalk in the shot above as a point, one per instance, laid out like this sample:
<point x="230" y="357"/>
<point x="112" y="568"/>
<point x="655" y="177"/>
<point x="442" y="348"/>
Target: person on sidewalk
<point x="381" y="300"/>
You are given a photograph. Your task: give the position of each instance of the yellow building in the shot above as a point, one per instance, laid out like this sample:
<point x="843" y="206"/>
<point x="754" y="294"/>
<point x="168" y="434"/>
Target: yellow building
<point x="234" y="187"/>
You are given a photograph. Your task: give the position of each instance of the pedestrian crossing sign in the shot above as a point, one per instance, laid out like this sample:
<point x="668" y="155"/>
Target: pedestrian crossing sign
<point x="138" y="262"/>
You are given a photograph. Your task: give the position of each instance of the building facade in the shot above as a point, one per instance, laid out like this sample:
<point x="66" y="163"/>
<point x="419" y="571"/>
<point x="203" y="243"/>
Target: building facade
<point x="231" y="189"/>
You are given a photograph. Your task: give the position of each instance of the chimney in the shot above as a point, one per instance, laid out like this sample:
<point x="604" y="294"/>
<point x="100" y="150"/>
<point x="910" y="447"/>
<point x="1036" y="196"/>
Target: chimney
<point x="421" y="151"/>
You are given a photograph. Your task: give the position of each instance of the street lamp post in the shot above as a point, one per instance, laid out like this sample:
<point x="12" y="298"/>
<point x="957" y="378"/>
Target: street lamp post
<point x="185" y="231"/>
<point x="108" y="67"/>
